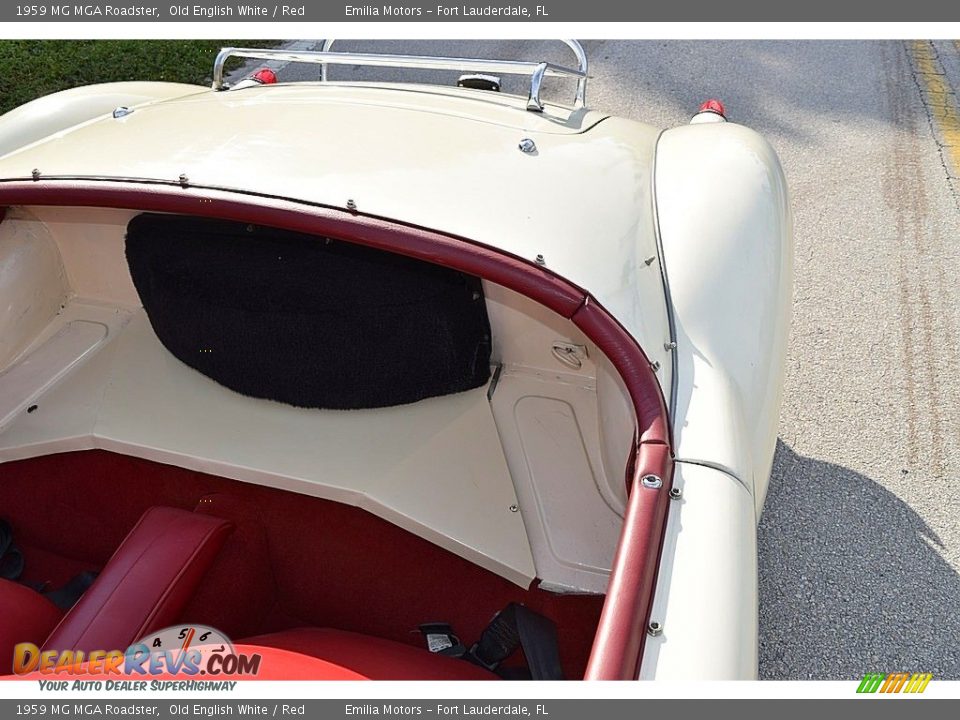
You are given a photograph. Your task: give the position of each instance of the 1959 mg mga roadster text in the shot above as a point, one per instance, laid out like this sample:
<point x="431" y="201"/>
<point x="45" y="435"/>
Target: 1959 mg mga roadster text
<point x="346" y="368"/>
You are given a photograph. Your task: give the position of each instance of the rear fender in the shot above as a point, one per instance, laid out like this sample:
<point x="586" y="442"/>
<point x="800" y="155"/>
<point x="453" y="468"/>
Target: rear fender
<point x="726" y="229"/>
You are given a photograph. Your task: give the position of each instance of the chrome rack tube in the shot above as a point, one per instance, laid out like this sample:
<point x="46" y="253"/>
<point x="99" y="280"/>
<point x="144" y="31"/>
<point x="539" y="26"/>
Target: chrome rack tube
<point x="536" y="70"/>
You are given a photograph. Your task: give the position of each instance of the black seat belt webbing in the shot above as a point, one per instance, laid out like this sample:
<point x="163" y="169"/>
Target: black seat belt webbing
<point x="518" y="626"/>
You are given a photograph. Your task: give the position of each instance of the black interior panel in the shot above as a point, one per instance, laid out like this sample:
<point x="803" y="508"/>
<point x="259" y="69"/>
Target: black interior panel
<point x="307" y="320"/>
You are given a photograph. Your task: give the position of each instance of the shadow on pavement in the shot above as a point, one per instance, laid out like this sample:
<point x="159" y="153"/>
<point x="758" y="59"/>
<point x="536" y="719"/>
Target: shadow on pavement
<point x="845" y="566"/>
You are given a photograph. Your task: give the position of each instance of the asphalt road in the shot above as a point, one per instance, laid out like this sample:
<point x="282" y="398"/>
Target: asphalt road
<point x="860" y="537"/>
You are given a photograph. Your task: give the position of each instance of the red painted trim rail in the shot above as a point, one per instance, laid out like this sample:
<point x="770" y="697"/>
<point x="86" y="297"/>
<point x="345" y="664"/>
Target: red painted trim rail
<point x="618" y="647"/>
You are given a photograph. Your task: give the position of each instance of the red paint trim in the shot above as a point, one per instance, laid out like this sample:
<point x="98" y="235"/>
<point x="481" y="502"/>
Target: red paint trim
<point x="528" y="278"/>
<point x="622" y="631"/>
<point x="620" y="636"/>
<point x="634" y="367"/>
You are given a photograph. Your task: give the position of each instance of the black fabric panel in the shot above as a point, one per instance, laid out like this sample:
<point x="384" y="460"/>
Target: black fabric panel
<point x="306" y="320"/>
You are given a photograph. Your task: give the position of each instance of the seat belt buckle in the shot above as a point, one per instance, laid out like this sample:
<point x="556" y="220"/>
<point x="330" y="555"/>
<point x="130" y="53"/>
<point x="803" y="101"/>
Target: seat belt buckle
<point x="475" y="658"/>
<point x="441" y="640"/>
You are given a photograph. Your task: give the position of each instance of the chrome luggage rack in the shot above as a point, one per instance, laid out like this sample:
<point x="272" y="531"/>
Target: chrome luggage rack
<point x="536" y="70"/>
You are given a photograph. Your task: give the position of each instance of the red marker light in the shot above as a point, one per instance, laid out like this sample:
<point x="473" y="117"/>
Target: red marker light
<point x="714" y="106"/>
<point x="266" y="76"/>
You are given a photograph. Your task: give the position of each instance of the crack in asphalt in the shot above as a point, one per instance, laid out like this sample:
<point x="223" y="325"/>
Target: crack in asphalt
<point x="939" y="100"/>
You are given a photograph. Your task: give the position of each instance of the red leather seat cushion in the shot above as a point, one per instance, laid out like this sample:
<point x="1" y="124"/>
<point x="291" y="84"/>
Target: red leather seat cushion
<point x="25" y="616"/>
<point x="146" y="584"/>
<point x="371" y="657"/>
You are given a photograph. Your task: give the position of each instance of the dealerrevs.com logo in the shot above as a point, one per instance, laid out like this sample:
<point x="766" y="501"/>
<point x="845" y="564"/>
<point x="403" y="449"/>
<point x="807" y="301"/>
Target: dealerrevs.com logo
<point x="898" y="682"/>
<point x="186" y="652"/>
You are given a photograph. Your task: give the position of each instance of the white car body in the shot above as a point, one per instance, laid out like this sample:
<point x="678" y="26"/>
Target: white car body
<point x="683" y="235"/>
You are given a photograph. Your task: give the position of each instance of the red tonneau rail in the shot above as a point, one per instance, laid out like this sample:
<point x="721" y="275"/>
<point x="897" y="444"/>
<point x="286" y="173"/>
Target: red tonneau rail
<point x="618" y="646"/>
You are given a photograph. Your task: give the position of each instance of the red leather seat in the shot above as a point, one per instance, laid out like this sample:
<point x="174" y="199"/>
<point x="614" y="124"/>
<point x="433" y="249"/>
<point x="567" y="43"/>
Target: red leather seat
<point x="146" y="584"/>
<point x="144" y="587"/>
<point x="25" y="616"/>
<point x="373" y="658"/>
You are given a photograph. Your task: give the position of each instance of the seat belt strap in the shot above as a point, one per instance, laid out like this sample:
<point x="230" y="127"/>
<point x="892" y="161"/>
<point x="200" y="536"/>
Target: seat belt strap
<point x="11" y="559"/>
<point x="518" y="626"/>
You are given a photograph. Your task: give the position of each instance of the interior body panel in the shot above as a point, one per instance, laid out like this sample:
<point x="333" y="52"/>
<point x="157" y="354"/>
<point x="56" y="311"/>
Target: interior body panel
<point x="89" y="364"/>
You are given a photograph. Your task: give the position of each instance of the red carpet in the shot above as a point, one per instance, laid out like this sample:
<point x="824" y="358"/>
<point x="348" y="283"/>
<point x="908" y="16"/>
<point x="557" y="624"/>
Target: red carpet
<point x="292" y="561"/>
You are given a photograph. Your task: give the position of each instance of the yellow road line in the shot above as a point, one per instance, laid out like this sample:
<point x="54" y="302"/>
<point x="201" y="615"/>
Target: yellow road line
<point x="940" y="98"/>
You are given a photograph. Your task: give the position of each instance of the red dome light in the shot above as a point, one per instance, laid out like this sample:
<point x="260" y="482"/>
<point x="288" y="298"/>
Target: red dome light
<point x="714" y="106"/>
<point x="264" y="76"/>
